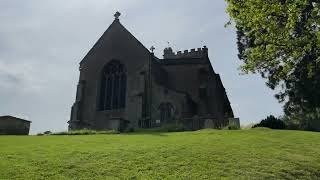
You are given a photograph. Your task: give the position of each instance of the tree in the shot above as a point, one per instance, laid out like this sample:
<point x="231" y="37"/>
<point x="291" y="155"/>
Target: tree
<point x="271" y="122"/>
<point x="280" y="39"/>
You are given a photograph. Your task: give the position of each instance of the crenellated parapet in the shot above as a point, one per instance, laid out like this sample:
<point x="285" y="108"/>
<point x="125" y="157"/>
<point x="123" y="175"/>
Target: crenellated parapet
<point x="193" y="53"/>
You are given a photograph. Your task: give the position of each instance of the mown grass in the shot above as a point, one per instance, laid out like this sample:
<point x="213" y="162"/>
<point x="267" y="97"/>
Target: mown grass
<point x="206" y="154"/>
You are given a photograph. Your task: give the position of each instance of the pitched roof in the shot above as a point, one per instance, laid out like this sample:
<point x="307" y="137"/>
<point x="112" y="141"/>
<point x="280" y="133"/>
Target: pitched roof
<point x="115" y="23"/>
<point x="12" y="117"/>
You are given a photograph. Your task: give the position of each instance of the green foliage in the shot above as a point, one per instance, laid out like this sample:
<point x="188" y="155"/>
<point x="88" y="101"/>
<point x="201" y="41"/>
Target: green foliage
<point x="271" y="122"/>
<point x="84" y="132"/>
<point x="280" y="39"/>
<point x="206" y="154"/>
<point x="276" y="34"/>
<point x="306" y="121"/>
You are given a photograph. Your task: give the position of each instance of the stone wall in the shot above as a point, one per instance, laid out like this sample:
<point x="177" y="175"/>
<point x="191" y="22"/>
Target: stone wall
<point x="115" y="44"/>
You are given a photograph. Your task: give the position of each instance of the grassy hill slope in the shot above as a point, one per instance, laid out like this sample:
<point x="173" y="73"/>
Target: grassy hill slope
<point x="187" y="155"/>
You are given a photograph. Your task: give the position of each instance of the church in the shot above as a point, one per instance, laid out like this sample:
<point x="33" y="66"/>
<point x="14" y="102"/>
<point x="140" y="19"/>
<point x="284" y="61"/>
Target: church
<point x="124" y="85"/>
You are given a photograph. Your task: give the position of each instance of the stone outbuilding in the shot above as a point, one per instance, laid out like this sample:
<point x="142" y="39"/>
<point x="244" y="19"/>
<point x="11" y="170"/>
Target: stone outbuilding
<point x="124" y="85"/>
<point x="10" y="125"/>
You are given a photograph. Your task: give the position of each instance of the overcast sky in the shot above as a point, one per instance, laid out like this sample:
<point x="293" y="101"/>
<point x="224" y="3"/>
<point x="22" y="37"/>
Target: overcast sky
<point x="42" y="43"/>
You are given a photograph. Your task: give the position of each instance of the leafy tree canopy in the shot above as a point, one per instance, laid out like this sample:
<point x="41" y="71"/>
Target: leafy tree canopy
<point x="280" y="39"/>
<point x="275" y="35"/>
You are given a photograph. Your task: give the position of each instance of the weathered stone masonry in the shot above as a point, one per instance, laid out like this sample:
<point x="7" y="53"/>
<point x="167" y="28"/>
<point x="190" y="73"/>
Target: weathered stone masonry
<point x="123" y="85"/>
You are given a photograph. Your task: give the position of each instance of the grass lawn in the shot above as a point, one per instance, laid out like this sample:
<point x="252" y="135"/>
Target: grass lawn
<point x="206" y="154"/>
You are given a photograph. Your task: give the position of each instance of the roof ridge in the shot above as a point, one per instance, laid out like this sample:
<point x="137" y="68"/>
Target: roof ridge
<point x="15" y="118"/>
<point x="116" y="21"/>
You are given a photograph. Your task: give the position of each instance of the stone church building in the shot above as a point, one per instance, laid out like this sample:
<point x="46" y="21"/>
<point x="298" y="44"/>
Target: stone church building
<point x="124" y="85"/>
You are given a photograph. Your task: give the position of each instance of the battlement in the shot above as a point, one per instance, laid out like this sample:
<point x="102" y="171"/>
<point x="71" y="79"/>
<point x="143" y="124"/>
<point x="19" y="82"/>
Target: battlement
<point x="193" y="53"/>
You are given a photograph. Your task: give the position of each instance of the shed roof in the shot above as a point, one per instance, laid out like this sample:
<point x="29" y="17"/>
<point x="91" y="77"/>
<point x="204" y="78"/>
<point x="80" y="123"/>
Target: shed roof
<point x="12" y="117"/>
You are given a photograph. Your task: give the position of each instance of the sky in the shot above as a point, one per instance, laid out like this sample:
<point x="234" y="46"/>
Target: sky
<point x="43" y="41"/>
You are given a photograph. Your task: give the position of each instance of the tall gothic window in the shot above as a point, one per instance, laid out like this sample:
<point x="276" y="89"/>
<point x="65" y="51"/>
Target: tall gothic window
<point x="113" y="86"/>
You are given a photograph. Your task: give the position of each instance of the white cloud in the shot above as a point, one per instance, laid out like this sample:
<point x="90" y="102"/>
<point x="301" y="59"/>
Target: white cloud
<point x="19" y="76"/>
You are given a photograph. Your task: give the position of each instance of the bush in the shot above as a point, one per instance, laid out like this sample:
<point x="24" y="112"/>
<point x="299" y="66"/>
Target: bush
<point x="309" y="121"/>
<point x="291" y="123"/>
<point x="271" y="122"/>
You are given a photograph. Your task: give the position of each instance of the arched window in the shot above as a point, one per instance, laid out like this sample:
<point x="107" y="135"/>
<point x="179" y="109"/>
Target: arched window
<point x="166" y="112"/>
<point x="113" y="86"/>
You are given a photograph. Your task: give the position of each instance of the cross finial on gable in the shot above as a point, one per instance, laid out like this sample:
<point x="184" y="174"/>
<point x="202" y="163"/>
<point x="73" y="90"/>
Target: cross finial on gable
<point x="152" y="49"/>
<point x="117" y="15"/>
